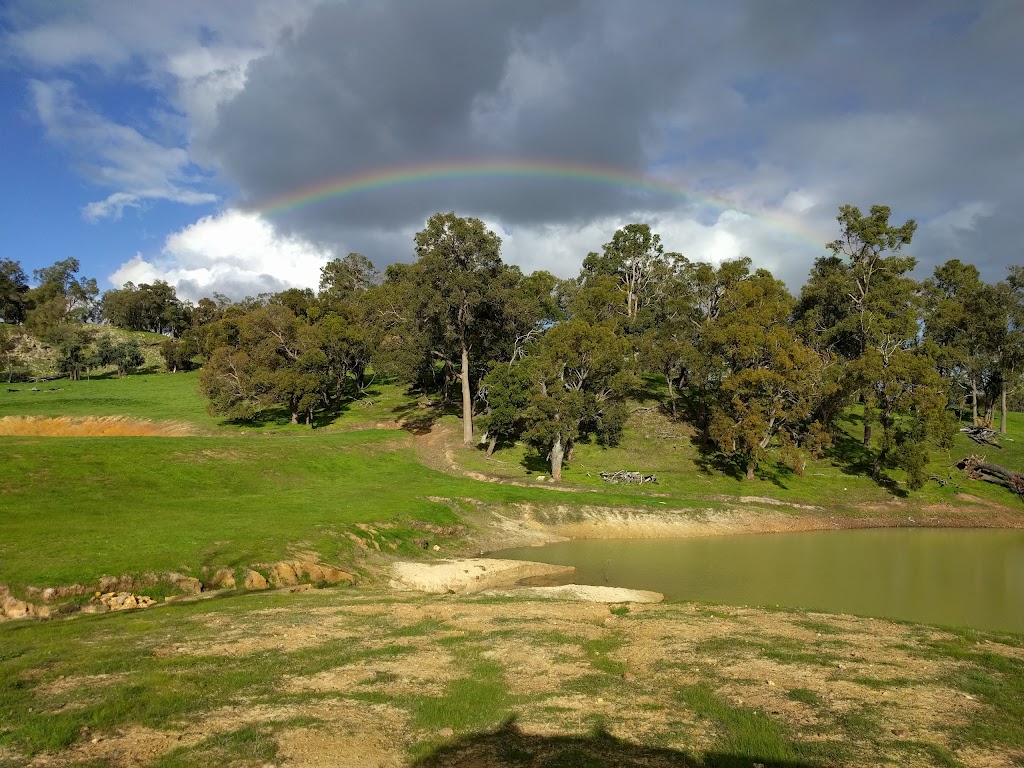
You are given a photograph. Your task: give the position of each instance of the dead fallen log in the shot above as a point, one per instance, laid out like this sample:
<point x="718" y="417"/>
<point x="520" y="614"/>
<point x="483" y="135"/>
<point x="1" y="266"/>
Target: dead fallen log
<point x="978" y="469"/>
<point x="623" y="476"/>
<point x="981" y="434"/>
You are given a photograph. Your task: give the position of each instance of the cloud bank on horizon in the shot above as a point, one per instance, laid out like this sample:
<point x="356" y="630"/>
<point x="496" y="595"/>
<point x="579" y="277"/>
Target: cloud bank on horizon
<point x="785" y="109"/>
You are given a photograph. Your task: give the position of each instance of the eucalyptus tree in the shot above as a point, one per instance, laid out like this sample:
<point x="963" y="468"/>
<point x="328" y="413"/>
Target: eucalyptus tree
<point x="14" y="288"/>
<point x="347" y="277"/>
<point x="341" y="317"/>
<point x="459" y="262"/>
<point x="9" y="339"/>
<point x="770" y="381"/>
<point x="146" y="307"/>
<point x="636" y="259"/>
<point x="268" y="357"/>
<point x="862" y="304"/>
<point x="506" y="391"/>
<point x="581" y="375"/>
<point x="961" y="321"/>
<point x="700" y="294"/>
<point x="59" y="297"/>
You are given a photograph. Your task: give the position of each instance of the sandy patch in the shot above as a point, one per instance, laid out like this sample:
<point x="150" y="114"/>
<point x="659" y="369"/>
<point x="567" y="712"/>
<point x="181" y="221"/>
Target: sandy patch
<point x="466" y="576"/>
<point x="583" y="593"/>
<point x="339" y="746"/>
<point x="391" y="676"/>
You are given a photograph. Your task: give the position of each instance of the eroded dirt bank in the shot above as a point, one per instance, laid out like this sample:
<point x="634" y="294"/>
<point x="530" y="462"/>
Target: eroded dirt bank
<point x="526" y="525"/>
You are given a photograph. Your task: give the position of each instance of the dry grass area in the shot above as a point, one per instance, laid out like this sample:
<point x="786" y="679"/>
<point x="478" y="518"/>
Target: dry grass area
<point x="91" y="426"/>
<point x="374" y="680"/>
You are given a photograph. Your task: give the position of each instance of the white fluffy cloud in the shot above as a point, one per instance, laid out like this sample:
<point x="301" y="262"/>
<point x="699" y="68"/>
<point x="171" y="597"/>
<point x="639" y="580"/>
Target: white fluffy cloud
<point x="235" y="253"/>
<point x="731" y="234"/>
<point x="113" y="155"/>
<point x="192" y="55"/>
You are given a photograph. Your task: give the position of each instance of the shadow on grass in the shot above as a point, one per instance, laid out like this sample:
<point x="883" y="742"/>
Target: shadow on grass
<point x="534" y="462"/>
<point x="279" y="416"/>
<point x="852" y="458"/>
<point x="419" y="419"/>
<point x="509" y="746"/>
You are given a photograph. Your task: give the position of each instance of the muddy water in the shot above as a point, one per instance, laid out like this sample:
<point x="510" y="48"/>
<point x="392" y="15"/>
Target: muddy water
<point x="972" y="578"/>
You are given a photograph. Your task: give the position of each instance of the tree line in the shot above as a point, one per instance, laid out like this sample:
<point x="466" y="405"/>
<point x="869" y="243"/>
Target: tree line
<point x="553" y="362"/>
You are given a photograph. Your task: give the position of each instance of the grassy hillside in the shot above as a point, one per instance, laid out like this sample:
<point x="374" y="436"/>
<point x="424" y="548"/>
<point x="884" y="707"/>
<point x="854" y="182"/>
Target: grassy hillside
<point x="95" y="506"/>
<point x="654" y="444"/>
<point x="268" y="679"/>
<point x="238" y="493"/>
<point x="37" y="361"/>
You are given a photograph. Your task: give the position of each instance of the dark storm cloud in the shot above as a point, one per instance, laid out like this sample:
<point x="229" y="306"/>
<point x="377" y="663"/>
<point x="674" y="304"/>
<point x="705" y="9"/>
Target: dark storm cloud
<point x="369" y="86"/>
<point x="915" y="105"/>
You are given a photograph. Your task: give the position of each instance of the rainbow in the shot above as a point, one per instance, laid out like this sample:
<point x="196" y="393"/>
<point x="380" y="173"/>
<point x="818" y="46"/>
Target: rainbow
<point x="345" y="186"/>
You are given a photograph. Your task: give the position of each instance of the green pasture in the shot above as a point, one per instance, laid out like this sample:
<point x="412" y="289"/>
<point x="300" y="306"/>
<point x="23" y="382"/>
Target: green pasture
<point x="73" y="509"/>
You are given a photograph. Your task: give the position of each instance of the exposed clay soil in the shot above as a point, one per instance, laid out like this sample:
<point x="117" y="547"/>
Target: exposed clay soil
<point x="91" y="426"/>
<point x="558" y="683"/>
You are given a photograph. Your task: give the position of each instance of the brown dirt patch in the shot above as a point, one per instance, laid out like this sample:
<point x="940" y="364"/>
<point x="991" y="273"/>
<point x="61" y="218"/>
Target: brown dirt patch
<point x="566" y="666"/>
<point x="357" y="736"/>
<point x="91" y="426"/>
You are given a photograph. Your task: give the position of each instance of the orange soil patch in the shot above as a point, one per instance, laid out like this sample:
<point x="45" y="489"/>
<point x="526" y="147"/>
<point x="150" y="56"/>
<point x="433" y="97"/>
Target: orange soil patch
<point x="90" y="426"/>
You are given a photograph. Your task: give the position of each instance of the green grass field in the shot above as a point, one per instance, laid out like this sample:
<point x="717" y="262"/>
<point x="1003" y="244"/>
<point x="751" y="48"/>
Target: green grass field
<point x="99" y="506"/>
<point x="242" y="679"/>
<point x="254" y="492"/>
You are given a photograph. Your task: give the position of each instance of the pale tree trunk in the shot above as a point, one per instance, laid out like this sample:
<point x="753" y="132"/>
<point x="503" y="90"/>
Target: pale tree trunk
<point x="557" y="452"/>
<point x="1002" y="408"/>
<point x="342" y="375"/>
<point x="295" y="411"/>
<point x="671" y="390"/>
<point x="491" y="445"/>
<point x="467" y="401"/>
<point x="867" y="433"/>
<point x="751" y="468"/>
<point x="974" y="400"/>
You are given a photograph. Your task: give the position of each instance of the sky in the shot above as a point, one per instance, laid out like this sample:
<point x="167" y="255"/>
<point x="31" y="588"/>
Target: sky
<point x="182" y="141"/>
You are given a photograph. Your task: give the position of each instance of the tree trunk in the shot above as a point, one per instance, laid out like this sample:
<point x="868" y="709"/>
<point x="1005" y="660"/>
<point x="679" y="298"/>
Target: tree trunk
<point x="557" y="451"/>
<point x="751" y="468"/>
<point x="309" y="417"/>
<point x="671" y="390"/>
<point x="342" y="375"/>
<point x="294" y="404"/>
<point x="1002" y="408"/>
<point x="876" y="467"/>
<point x="491" y="445"/>
<point x="867" y="433"/>
<point x="467" y="401"/>
<point x="974" y="400"/>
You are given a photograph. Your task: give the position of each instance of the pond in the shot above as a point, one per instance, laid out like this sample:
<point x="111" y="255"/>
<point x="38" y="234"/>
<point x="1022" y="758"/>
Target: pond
<point x="958" y="577"/>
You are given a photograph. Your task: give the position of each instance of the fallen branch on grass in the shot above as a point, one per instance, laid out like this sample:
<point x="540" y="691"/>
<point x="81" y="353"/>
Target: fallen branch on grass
<point x="978" y="469"/>
<point x="622" y="476"/>
<point x="982" y="435"/>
